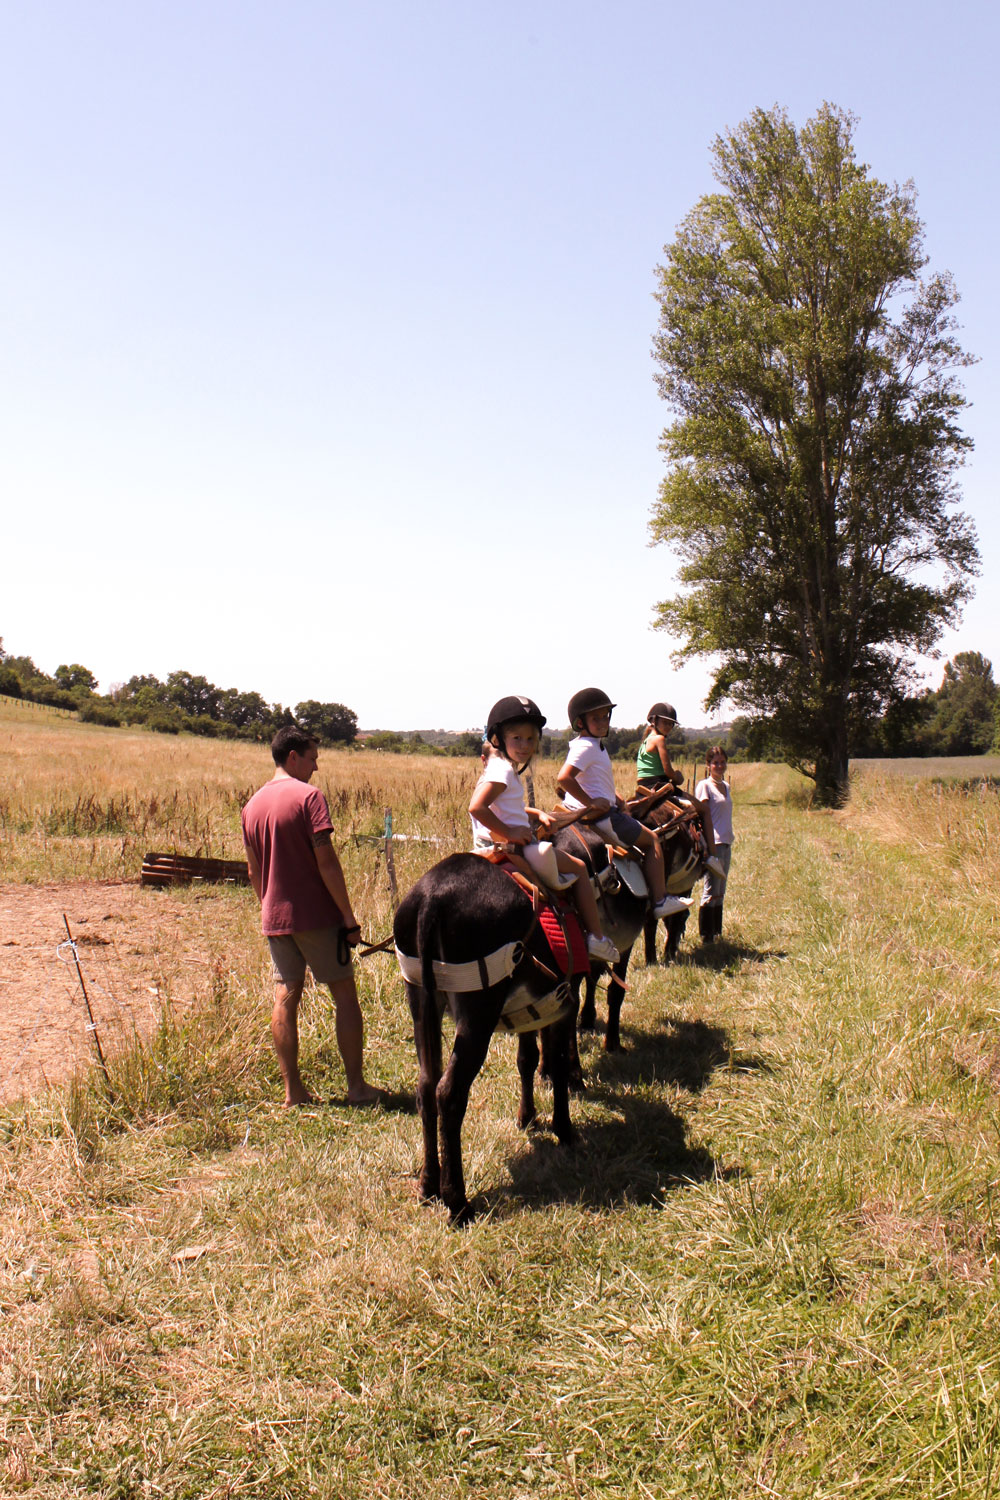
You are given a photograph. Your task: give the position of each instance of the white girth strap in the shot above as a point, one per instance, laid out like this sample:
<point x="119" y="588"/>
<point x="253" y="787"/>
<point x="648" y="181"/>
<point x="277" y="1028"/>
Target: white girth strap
<point x="459" y="979"/>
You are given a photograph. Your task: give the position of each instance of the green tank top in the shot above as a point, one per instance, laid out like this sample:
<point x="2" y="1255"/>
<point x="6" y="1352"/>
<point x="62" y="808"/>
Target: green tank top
<point x="648" y="764"/>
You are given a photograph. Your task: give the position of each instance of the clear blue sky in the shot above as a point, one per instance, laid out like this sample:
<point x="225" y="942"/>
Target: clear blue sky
<point x="325" y="367"/>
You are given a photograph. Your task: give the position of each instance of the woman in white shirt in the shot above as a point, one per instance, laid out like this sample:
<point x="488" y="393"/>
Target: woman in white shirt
<point x="716" y="793"/>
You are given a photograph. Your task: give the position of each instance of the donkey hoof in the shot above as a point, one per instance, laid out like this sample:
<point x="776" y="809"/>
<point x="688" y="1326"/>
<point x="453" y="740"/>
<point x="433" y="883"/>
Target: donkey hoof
<point x="461" y="1218"/>
<point x="428" y="1189"/>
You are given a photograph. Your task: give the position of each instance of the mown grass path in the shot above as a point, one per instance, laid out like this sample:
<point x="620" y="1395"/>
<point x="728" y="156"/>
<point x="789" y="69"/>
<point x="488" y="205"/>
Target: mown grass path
<point x="770" y="1268"/>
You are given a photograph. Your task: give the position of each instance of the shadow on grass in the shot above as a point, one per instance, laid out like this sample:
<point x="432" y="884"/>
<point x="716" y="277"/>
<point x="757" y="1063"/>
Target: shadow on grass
<point x="391" y="1101"/>
<point x="633" y="1156"/>
<point x="722" y="956"/>
<point x="684" y="1053"/>
<point x="639" y="1150"/>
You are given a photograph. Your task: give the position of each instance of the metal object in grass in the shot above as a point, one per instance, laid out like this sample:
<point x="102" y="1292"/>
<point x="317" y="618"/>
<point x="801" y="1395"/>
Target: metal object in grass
<point x="91" y="1023"/>
<point x="386" y="839"/>
<point x="390" y="861"/>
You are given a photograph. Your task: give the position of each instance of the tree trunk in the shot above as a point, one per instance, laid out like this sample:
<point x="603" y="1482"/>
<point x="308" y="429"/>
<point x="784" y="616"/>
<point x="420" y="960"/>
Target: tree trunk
<point x="832" y="769"/>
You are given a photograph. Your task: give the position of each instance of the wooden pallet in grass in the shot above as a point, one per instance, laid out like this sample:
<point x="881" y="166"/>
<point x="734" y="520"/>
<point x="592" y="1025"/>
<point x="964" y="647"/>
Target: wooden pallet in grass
<point x="181" y="869"/>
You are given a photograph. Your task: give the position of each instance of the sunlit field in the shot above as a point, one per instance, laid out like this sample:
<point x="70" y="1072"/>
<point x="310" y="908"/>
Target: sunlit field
<point x="947" y="769"/>
<point x="81" y="801"/>
<point x="769" y="1268"/>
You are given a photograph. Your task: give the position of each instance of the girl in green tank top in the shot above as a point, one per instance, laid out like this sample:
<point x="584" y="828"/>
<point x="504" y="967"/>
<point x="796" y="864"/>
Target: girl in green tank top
<point x="648" y="766"/>
<point x="653" y="761"/>
<point x="653" y="768"/>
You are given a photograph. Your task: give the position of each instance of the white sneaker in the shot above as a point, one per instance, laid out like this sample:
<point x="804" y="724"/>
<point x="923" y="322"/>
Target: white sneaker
<point x="602" y="948"/>
<point x="716" y="866"/>
<point x="672" y="904"/>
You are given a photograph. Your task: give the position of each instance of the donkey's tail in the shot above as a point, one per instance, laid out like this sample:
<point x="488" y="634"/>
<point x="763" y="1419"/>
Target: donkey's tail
<point x="428" y="943"/>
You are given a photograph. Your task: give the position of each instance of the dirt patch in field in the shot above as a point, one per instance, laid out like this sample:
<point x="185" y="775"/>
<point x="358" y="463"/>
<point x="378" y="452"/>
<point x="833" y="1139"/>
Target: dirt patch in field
<point x="139" y="949"/>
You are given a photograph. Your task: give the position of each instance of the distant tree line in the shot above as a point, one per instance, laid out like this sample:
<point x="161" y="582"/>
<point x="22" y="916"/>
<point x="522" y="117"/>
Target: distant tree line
<point x="184" y="702"/>
<point x="622" y="744"/>
<point x="959" y="718"/>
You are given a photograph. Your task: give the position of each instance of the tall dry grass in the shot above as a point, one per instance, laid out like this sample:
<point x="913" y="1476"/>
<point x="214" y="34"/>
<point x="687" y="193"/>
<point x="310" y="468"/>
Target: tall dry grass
<point x="955" y="822"/>
<point x="85" y="802"/>
<point x="80" y="801"/>
<point x="771" y="1267"/>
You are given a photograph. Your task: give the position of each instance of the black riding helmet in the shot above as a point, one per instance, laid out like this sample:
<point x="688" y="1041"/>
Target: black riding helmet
<point x="587" y="701"/>
<point x="662" y="711"/>
<point x="514" y="710"/>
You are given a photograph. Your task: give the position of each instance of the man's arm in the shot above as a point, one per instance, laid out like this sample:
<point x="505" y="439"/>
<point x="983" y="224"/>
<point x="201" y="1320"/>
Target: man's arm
<point x="256" y="878"/>
<point x="333" y="878"/>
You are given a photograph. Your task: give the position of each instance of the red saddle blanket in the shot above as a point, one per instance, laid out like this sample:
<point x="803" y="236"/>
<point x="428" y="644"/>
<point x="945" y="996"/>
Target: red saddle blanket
<point x="575" y="959"/>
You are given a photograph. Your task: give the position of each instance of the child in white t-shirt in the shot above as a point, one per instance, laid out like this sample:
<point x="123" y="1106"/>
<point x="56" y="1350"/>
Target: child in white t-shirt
<point x="587" y="782"/>
<point x="500" y="817"/>
<point x="713" y="790"/>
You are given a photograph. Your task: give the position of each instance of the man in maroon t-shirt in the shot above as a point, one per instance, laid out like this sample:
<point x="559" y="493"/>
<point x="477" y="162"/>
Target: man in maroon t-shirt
<point x="305" y="909"/>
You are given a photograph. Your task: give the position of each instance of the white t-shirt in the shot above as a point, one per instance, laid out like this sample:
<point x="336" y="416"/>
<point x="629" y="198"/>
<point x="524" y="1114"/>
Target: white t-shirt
<point x="721" y="803"/>
<point x="592" y="764"/>
<point x="509" y="807"/>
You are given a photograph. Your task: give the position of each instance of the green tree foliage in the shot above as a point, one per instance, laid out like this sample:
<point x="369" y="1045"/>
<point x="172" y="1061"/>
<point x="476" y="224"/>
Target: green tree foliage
<point x="244" y="710"/>
<point x="963" y="720"/>
<point x="331" y="723"/>
<point x="23" y="679"/>
<point x="811" y="466"/>
<point x="186" y="701"/>
<point x="27" y="673"/>
<point x="959" y="718"/>
<point x="469" y="742"/>
<point x="100" y="711"/>
<point x="10" y="684"/>
<point x="75" y="676"/>
<point x="193" y="695"/>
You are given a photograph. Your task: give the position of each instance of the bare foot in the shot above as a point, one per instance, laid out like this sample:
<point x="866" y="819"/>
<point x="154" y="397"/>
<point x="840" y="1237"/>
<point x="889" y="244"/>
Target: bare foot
<point x="364" y="1097"/>
<point x="293" y="1101"/>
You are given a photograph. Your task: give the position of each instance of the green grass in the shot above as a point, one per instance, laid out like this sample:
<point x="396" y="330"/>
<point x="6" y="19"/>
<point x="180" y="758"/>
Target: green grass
<point x="769" y="1268"/>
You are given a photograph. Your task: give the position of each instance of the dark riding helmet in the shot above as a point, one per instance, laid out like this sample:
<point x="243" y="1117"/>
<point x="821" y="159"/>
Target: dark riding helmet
<point x="662" y="711"/>
<point x="587" y="701"/>
<point x="514" y="710"/>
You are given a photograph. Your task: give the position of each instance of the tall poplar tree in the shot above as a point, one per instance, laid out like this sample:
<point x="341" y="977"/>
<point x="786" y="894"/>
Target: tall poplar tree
<point x="810" y="489"/>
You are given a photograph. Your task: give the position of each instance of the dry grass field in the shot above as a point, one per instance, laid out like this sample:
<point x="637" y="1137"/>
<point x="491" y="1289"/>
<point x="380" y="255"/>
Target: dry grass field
<point x="769" y="1268"/>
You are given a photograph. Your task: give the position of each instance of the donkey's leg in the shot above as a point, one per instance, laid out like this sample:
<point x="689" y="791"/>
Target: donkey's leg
<point x="576" y="1083"/>
<point x="588" y="1010"/>
<point x="675" y="931"/>
<point x="649" y="935"/>
<point x="527" y="1062"/>
<point x="561" y="1034"/>
<point x="616" y="994"/>
<point x="575" y="1074"/>
<point x="427" y="1036"/>
<point x="472" y="1042"/>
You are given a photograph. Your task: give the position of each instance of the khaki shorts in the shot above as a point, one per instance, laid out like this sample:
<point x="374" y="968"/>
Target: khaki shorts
<point x="321" y="949"/>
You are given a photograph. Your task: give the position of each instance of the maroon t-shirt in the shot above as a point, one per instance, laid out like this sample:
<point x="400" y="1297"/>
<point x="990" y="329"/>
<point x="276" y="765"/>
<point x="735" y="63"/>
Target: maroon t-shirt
<point x="278" y="826"/>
